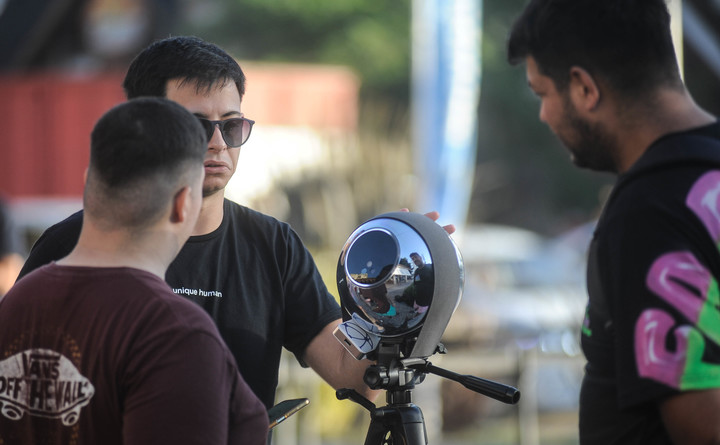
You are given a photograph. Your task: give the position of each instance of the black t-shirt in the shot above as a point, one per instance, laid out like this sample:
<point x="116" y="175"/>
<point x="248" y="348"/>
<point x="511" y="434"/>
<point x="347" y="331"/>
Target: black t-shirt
<point x="424" y="282"/>
<point x="652" y="326"/>
<point x="111" y="356"/>
<point x="253" y="275"/>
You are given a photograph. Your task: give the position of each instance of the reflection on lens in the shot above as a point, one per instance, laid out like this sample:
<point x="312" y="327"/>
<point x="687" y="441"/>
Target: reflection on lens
<point x="232" y="132"/>
<point x="208" y="126"/>
<point x="390" y="276"/>
<point x="372" y="257"/>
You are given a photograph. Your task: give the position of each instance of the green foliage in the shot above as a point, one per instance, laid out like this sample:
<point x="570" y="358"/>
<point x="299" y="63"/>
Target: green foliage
<point x="372" y="37"/>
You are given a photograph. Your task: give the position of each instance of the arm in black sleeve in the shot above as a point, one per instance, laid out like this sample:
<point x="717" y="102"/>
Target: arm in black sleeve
<point x="55" y="243"/>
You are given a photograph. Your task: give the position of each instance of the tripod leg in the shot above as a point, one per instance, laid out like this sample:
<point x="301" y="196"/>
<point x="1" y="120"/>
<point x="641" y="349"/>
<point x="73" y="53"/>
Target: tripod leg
<point x="397" y="435"/>
<point x="397" y="425"/>
<point x="377" y="434"/>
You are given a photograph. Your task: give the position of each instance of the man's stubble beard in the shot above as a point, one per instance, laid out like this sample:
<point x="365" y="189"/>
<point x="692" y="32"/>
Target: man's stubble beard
<point x="212" y="190"/>
<point x="591" y="146"/>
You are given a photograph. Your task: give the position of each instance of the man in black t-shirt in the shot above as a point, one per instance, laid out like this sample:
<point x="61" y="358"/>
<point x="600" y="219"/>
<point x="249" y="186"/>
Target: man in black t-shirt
<point x="610" y="89"/>
<point x="419" y="294"/>
<point x="424" y="282"/>
<point x="250" y="272"/>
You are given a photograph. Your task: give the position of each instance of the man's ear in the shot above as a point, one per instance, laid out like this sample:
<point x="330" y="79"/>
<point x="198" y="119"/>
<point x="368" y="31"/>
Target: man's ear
<point x="583" y="89"/>
<point x="180" y="205"/>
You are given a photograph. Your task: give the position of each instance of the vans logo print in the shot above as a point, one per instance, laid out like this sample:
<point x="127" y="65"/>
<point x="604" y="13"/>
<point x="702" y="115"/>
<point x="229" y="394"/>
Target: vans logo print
<point x="43" y="383"/>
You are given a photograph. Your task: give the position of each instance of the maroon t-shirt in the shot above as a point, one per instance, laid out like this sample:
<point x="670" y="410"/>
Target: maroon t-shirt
<point x="112" y="356"/>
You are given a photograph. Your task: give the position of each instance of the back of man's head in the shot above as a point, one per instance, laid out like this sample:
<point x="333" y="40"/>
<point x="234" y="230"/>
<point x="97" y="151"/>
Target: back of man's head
<point x="625" y="43"/>
<point x="190" y="59"/>
<point x="141" y="153"/>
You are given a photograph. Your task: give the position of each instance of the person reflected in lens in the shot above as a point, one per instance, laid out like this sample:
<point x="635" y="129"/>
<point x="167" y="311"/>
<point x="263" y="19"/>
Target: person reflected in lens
<point x="377" y="299"/>
<point x="419" y="293"/>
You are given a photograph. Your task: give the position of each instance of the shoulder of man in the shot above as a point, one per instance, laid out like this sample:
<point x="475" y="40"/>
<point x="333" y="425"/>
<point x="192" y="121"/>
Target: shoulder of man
<point x="241" y="211"/>
<point x="701" y="146"/>
<point x="251" y="219"/>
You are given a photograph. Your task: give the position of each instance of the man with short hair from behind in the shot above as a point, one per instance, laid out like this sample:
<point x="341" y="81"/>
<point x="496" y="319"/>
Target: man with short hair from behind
<point x="609" y="86"/>
<point x="96" y="348"/>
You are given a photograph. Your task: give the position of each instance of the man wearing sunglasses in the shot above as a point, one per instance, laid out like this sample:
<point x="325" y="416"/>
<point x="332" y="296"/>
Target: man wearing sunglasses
<point x="250" y="272"/>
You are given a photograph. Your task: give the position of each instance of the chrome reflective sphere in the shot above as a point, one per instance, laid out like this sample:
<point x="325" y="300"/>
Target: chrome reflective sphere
<point x="388" y="272"/>
<point x="400" y="278"/>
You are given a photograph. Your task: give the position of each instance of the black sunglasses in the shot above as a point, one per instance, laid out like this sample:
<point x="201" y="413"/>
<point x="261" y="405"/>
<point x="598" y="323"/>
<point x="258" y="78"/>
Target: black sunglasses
<point x="235" y="131"/>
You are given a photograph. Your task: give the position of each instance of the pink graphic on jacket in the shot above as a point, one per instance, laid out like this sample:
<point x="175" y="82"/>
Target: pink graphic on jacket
<point x="686" y="284"/>
<point x="652" y="357"/>
<point x="680" y="279"/>
<point x="704" y="201"/>
<point x="682" y="368"/>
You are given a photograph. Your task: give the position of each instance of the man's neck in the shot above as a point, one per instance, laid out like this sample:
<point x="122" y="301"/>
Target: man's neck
<point x="672" y="112"/>
<point x="211" y="214"/>
<point x="151" y="251"/>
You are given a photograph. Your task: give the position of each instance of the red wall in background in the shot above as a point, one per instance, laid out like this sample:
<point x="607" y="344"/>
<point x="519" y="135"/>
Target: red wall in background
<point x="45" y="125"/>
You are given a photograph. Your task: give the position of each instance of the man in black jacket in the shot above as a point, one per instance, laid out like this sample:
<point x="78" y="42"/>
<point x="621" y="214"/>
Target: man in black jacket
<point x="610" y="89"/>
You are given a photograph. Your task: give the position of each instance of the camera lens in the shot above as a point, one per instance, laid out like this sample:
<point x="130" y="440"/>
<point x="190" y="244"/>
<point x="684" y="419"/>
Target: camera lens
<point x="372" y="257"/>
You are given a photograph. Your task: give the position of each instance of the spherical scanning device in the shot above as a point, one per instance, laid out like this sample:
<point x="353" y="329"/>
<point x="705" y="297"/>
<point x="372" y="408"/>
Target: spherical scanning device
<point x="400" y="277"/>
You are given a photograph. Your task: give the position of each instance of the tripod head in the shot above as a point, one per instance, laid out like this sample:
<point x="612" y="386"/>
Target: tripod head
<point x="401" y="421"/>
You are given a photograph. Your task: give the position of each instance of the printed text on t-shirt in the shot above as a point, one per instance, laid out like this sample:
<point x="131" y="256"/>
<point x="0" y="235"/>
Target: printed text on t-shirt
<point x="197" y="292"/>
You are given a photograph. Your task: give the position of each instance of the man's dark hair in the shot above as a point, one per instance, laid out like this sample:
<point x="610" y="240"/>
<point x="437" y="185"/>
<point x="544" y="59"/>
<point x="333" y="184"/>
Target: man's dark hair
<point x="625" y="43"/>
<point x="189" y="59"/>
<point x="141" y="152"/>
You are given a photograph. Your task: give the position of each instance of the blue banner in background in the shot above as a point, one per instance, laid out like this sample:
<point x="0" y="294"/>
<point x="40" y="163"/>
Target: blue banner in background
<point x="446" y="65"/>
